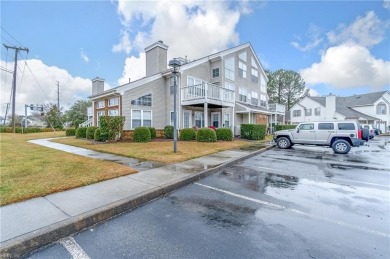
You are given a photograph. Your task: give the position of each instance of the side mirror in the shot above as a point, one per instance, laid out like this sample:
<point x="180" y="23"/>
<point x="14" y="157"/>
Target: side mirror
<point x="297" y="130"/>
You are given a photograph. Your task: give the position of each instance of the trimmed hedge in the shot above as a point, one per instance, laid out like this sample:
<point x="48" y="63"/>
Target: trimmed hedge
<point x="26" y="130"/>
<point x="81" y="132"/>
<point x="142" y="134"/>
<point x="253" y="131"/>
<point x="153" y="133"/>
<point x="90" y="134"/>
<point x="168" y="132"/>
<point x="96" y="135"/>
<point x="225" y="134"/>
<point x="187" y="134"/>
<point x="111" y="127"/>
<point x="284" y="127"/>
<point x="206" y="135"/>
<point x="70" y="132"/>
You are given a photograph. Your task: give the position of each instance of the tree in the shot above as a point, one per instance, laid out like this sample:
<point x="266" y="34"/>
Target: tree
<point x="78" y="113"/>
<point x="285" y="87"/>
<point x="53" y="116"/>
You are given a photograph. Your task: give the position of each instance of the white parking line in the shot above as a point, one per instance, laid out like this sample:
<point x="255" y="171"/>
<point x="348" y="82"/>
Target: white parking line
<point x="73" y="248"/>
<point x="363" y="229"/>
<point x="324" y="177"/>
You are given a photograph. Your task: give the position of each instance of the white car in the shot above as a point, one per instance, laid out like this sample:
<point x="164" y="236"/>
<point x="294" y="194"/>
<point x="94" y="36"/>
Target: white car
<point x="371" y="130"/>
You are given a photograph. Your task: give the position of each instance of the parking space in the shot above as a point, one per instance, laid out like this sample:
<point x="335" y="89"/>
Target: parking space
<point x="304" y="202"/>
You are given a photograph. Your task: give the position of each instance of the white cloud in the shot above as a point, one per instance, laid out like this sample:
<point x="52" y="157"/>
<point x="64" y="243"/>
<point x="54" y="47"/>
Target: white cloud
<point x="386" y="4"/>
<point x="190" y="28"/>
<point x="124" y="43"/>
<point x="40" y="87"/>
<point x="314" y="39"/>
<point x="83" y="55"/>
<point x="129" y="73"/>
<point x="349" y="66"/>
<point x="365" y="31"/>
<point x="313" y="92"/>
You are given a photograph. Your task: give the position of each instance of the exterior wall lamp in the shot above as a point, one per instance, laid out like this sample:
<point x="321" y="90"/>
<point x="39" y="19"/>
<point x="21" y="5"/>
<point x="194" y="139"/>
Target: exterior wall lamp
<point x="175" y="67"/>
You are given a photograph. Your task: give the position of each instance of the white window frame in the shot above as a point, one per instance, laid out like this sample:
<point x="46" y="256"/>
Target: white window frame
<point x="113" y="101"/>
<point x="185" y="112"/>
<point x="219" y="119"/>
<point x="98" y="115"/>
<point x="229" y="69"/>
<point x="242" y="92"/>
<point x="242" y="69"/>
<point x="114" y="112"/>
<point x="297" y="113"/>
<point x="381" y="108"/>
<point x="226" y="115"/>
<point x="253" y="63"/>
<point x="202" y="118"/>
<point x="317" y="111"/>
<point x="101" y="104"/>
<point x="255" y="98"/>
<point x="142" y="117"/>
<point x="242" y="56"/>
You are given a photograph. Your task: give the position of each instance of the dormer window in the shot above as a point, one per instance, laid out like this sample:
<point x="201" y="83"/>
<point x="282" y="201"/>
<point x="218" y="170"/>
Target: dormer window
<point x="215" y="72"/>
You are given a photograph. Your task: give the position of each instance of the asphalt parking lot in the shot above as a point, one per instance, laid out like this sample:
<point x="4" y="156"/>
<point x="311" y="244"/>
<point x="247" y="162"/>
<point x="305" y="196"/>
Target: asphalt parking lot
<point x="305" y="202"/>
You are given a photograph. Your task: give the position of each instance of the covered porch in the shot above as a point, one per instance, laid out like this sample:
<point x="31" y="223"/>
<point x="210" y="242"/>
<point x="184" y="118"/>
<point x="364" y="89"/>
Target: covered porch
<point x="250" y="114"/>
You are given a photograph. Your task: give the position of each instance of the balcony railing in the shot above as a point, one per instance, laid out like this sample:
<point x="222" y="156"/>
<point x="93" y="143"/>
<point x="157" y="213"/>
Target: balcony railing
<point x="278" y="108"/>
<point x="207" y="92"/>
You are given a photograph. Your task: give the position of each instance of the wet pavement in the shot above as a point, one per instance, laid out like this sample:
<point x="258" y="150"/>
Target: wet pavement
<point x="305" y="202"/>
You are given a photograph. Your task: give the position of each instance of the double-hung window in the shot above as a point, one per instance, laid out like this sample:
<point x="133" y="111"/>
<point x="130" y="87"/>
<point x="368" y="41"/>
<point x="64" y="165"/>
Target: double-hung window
<point x="307" y="112"/>
<point x="229" y="68"/>
<point x="296" y="113"/>
<point x="113" y="101"/>
<point x="317" y="111"/>
<point x="255" y="98"/>
<point x="113" y="112"/>
<point x="381" y="109"/>
<point x="100" y="104"/>
<point x="141" y="118"/>
<point x="215" y="72"/>
<point x="242" y="69"/>
<point x="242" y="94"/>
<point x="254" y="75"/>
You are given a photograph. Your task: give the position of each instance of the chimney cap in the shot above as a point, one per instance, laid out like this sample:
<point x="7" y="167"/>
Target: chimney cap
<point x="159" y="43"/>
<point x="97" y="79"/>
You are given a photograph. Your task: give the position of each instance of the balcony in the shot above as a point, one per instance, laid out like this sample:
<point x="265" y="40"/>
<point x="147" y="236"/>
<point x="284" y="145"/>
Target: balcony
<point x="207" y="93"/>
<point x="277" y="108"/>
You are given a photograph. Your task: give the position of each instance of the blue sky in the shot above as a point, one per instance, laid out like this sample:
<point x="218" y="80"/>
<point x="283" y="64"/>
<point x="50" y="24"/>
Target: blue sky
<point x="338" y="47"/>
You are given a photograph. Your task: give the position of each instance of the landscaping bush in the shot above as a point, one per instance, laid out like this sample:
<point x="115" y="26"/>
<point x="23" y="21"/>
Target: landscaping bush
<point x="90" y="134"/>
<point x="142" y="134"/>
<point x="284" y="127"/>
<point x="168" y="132"/>
<point x="225" y="134"/>
<point x="70" y="132"/>
<point x="111" y="127"/>
<point x="153" y="133"/>
<point x="206" y="135"/>
<point x="81" y="132"/>
<point x="253" y="131"/>
<point x="96" y="135"/>
<point x="187" y="134"/>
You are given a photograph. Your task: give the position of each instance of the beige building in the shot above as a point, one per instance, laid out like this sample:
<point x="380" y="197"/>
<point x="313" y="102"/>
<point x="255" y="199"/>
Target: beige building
<point x="224" y="89"/>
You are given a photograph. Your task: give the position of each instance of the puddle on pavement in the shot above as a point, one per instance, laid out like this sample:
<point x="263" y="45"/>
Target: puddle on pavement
<point x="218" y="213"/>
<point x="189" y="168"/>
<point x="353" y="167"/>
<point x="259" y="181"/>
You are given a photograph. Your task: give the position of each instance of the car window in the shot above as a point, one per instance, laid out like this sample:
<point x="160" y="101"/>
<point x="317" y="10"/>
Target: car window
<point x="325" y="126"/>
<point x="306" y="126"/>
<point x="346" y="126"/>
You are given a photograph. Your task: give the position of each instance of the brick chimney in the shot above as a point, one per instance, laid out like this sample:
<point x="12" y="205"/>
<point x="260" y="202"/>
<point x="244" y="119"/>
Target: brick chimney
<point x="156" y="58"/>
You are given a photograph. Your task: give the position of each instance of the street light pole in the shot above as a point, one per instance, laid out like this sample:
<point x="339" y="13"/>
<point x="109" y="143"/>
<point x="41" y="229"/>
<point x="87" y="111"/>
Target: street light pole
<point x="174" y="64"/>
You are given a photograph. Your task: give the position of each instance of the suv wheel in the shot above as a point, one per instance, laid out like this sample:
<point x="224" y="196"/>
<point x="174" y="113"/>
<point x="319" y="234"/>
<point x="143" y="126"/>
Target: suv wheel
<point x="283" y="142"/>
<point x="341" y="146"/>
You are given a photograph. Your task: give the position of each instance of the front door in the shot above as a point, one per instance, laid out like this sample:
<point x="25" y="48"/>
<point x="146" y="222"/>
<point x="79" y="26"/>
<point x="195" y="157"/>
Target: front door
<point x="199" y="119"/>
<point x="215" y="118"/>
<point x="187" y="120"/>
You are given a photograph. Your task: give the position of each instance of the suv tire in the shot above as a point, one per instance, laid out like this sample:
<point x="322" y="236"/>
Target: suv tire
<point x="283" y="143"/>
<point x="341" y="146"/>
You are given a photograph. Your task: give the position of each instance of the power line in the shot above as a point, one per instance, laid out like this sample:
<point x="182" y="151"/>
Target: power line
<point x="40" y="87"/>
<point x="11" y="35"/>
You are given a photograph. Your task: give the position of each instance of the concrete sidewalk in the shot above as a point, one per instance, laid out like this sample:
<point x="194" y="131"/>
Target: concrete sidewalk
<point x="28" y="225"/>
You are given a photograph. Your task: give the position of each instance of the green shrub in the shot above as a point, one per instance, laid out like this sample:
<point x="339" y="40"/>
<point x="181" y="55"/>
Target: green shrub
<point x="111" y="127"/>
<point x="96" y="135"/>
<point x="90" y="132"/>
<point x="284" y="127"/>
<point x="168" y="132"/>
<point x="81" y="132"/>
<point x="253" y="131"/>
<point x="187" y="134"/>
<point x="153" y="133"/>
<point x="225" y="134"/>
<point x="206" y="135"/>
<point x="70" y="132"/>
<point x="142" y="134"/>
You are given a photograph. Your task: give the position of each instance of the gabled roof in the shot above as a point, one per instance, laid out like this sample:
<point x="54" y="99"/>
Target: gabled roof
<point x="251" y="108"/>
<point x="344" y="105"/>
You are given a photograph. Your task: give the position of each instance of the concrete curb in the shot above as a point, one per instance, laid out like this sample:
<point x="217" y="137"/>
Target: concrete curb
<point x="22" y="245"/>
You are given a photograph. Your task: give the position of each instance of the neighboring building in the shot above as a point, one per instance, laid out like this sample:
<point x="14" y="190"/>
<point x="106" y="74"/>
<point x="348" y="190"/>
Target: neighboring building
<point x="224" y="89"/>
<point x="372" y="108"/>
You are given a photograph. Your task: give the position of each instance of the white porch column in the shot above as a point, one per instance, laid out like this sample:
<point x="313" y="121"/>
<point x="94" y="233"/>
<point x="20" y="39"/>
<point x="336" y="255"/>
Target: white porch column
<point x="206" y="117"/>
<point x="249" y="118"/>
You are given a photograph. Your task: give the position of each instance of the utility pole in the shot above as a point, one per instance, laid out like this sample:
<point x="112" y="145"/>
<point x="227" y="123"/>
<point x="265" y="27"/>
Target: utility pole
<point x="6" y="112"/>
<point x="17" y="49"/>
<point x="58" y="96"/>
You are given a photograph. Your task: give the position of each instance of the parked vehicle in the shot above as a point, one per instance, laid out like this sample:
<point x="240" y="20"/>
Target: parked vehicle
<point x="340" y="136"/>
<point x="371" y="130"/>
